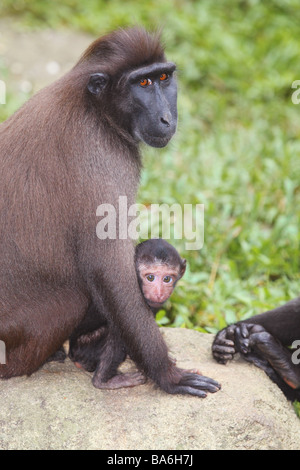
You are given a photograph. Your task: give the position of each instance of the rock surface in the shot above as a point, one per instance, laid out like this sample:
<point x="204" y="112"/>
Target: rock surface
<point x="58" y="408"/>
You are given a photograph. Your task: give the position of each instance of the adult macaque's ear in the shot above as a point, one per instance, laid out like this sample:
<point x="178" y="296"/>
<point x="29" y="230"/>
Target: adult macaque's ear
<point x="97" y="83"/>
<point x="183" y="267"/>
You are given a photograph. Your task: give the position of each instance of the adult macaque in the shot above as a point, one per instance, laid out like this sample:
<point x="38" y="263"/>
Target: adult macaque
<point x="158" y="266"/>
<point x="264" y="340"/>
<point x="69" y="149"/>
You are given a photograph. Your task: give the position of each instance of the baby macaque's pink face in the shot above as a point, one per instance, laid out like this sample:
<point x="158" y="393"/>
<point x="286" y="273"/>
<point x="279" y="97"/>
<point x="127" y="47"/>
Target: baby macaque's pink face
<point x="158" y="282"/>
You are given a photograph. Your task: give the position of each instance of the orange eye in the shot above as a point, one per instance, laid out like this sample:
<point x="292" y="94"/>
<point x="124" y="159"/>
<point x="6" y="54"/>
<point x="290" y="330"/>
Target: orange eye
<point x="145" y="82"/>
<point x="163" y="77"/>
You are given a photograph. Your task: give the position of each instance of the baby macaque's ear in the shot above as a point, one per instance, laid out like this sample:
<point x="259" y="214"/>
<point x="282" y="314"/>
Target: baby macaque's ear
<point x="183" y="267"/>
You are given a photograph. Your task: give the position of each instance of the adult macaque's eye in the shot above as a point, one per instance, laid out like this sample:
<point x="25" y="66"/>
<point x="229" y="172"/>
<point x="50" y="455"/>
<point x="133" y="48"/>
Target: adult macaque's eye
<point x="145" y="82"/>
<point x="150" y="277"/>
<point x="163" y="77"/>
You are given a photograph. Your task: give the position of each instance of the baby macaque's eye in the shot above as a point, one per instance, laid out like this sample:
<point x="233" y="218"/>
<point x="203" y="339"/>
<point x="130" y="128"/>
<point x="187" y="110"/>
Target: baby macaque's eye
<point x="167" y="279"/>
<point x="150" y="277"/>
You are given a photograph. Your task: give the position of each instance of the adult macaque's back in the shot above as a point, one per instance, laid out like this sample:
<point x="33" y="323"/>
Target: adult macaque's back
<point x="70" y="148"/>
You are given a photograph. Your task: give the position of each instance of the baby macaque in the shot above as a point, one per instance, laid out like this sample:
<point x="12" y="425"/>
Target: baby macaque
<point x="159" y="267"/>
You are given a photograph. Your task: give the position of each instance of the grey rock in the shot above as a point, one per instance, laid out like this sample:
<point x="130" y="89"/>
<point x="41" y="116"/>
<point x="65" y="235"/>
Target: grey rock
<point x="58" y="408"/>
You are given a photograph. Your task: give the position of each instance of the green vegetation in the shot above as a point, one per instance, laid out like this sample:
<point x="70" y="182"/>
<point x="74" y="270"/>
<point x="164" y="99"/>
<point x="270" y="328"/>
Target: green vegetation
<point x="237" y="147"/>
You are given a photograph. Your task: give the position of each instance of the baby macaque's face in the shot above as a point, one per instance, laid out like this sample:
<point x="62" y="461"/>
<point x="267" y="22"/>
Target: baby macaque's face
<point x="158" y="282"/>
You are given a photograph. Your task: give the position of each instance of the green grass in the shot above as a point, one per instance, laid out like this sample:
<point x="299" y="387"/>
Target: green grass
<point x="237" y="147"/>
